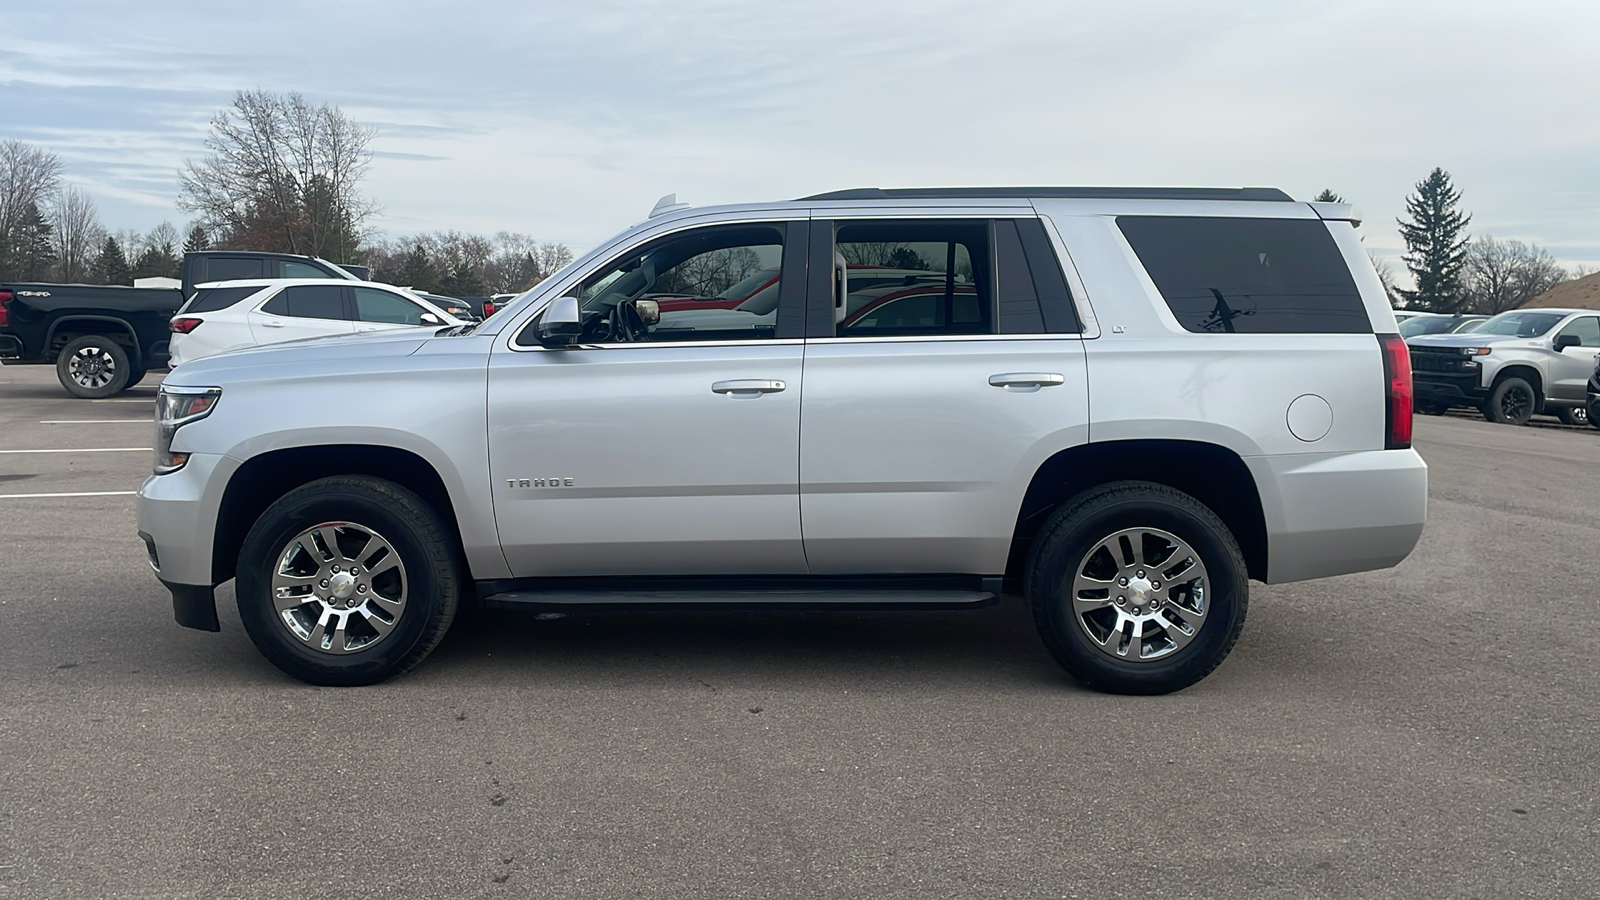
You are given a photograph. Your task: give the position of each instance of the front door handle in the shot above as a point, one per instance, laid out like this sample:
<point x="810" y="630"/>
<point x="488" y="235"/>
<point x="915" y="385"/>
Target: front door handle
<point x="271" y="324"/>
<point x="739" y="386"/>
<point x="1027" y="379"/>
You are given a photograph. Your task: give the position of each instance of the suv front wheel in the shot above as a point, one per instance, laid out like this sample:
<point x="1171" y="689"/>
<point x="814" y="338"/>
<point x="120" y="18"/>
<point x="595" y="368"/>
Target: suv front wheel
<point x="1137" y="588"/>
<point x="348" y="580"/>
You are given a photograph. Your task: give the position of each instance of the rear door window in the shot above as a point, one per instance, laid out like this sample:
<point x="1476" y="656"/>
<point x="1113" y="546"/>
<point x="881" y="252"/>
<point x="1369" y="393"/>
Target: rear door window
<point x="213" y="299"/>
<point x="229" y="268"/>
<point x="1248" y="276"/>
<point x="308" y="301"/>
<point x="915" y="278"/>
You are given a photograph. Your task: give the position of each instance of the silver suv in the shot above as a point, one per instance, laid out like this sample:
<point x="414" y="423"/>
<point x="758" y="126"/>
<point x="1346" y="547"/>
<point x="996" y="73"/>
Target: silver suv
<point x="1122" y="404"/>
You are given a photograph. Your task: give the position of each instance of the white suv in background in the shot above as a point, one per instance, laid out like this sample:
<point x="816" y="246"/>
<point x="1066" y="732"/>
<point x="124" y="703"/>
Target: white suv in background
<point x="230" y="315"/>
<point x="1121" y="404"/>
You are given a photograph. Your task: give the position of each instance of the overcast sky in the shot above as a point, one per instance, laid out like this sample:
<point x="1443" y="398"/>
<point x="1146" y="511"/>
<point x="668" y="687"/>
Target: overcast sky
<point x="567" y="121"/>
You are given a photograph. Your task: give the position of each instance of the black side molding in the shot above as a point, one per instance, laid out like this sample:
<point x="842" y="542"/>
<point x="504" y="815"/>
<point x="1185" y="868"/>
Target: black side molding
<point x="194" y="606"/>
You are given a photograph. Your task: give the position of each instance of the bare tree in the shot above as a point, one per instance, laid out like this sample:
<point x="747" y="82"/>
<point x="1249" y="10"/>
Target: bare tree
<point x="78" y="233"/>
<point x="28" y="179"/>
<point x="282" y="175"/>
<point x="1502" y="275"/>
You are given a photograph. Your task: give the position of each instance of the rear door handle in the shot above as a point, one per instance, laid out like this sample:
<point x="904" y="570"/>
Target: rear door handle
<point x="1027" y="379"/>
<point x="747" y="386"/>
<point x="271" y="324"/>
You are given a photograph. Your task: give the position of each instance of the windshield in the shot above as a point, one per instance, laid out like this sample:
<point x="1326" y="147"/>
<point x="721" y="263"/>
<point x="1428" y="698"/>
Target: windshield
<point x="1521" y="324"/>
<point x="1425" y="325"/>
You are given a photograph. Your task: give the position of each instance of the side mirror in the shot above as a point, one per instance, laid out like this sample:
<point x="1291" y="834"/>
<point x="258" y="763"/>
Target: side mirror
<point x="649" y="311"/>
<point x="560" y="323"/>
<point x="431" y="319"/>
<point x="1563" y="341"/>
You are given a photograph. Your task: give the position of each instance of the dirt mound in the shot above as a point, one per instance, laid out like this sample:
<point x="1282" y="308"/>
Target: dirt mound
<point x="1579" y="293"/>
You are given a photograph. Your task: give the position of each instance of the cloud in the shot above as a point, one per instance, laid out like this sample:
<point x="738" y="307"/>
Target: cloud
<point x="568" y="121"/>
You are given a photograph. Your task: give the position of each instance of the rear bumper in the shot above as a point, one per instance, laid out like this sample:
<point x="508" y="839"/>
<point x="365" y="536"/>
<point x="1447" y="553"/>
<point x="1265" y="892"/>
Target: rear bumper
<point x="1333" y="514"/>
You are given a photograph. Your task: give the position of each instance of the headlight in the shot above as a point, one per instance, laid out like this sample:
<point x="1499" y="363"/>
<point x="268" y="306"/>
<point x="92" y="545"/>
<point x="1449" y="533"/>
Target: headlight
<point x="175" y="408"/>
<point x="1474" y="351"/>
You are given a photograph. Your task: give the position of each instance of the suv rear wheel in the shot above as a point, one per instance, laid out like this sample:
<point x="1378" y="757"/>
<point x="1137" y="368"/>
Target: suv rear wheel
<point x="348" y="580"/>
<point x="1137" y="588"/>
<point x="93" y="366"/>
<point x="1511" y="402"/>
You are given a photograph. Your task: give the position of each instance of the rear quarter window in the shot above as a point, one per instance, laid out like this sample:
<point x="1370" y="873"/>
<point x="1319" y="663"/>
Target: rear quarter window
<point x="1248" y="276"/>
<point x="213" y="299"/>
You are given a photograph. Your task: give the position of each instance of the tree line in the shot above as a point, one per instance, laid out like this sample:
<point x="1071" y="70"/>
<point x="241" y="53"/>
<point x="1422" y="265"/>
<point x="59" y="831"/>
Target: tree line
<point x="1455" y="272"/>
<point x="279" y="175"/>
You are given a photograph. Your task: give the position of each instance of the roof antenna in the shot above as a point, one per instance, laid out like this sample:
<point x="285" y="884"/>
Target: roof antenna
<point x="667" y="204"/>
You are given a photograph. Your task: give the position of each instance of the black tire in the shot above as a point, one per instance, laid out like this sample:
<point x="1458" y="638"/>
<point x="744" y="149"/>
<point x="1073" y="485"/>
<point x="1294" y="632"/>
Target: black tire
<point x="135" y="376"/>
<point x="1573" y="415"/>
<point x="1432" y="407"/>
<point x="93" y="366"/>
<point x="432" y="578"/>
<point x="1511" y="402"/>
<point x="1594" y="412"/>
<point x="1067" y="543"/>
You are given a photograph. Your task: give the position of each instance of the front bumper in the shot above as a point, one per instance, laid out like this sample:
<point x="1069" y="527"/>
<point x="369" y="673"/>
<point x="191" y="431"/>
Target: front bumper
<point x="1453" y="390"/>
<point x="1337" y="513"/>
<point x="178" y="522"/>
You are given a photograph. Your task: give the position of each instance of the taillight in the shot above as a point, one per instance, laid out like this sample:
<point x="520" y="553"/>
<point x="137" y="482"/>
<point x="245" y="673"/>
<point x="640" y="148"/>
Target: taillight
<point x="488" y="308"/>
<point x="5" y="317"/>
<point x="184" y="325"/>
<point x="1397" y="377"/>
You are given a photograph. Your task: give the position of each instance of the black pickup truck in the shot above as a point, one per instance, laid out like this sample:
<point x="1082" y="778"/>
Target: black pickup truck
<point x="103" y="339"/>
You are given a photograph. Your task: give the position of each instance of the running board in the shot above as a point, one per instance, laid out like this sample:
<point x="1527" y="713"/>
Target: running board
<point x="913" y="598"/>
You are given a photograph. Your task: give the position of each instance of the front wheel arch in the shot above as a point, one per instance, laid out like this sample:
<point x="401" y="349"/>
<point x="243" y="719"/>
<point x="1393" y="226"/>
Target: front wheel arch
<point x="262" y="479"/>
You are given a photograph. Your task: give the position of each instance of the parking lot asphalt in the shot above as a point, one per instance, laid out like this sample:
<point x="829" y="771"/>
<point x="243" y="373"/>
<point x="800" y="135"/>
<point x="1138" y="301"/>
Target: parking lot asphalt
<point x="1426" y="731"/>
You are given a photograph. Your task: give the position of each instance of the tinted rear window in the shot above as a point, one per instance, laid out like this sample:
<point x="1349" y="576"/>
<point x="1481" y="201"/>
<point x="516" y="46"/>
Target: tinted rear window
<point x="213" y="299"/>
<point x="308" y="302"/>
<point x="231" y="268"/>
<point x="1248" y="276"/>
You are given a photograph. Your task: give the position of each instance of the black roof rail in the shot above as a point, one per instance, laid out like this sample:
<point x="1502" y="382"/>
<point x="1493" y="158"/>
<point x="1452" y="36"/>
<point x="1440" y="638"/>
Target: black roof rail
<point x="1063" y="193"/>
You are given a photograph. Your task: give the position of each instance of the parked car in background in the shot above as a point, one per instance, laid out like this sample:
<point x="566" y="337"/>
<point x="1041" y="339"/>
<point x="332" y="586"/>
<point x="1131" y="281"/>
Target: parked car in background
<point x="1439" y="323"/>
<point x="461" y="309"/>
<point x="231" y="315"/>
<point x="103" y="338"/>
<point x="1514" y="365"/>
<point x="1592" y="408"/>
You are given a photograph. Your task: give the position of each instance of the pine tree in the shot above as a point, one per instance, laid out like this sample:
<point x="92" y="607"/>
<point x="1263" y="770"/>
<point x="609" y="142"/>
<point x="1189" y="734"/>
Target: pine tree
<point x="1327" y="196"/>
<point x="197" y="240"/>
<point x="111" y="267"/>
<point x="1436" y="247"/>
<point x="417" y="271"/>
<point x="32" y="252"/>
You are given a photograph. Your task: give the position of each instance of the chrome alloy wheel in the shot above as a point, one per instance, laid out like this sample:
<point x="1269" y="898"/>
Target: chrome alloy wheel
<point x="1140" y="594"/>
<point x="92" y="367"/>
<point x="339" y="587"/>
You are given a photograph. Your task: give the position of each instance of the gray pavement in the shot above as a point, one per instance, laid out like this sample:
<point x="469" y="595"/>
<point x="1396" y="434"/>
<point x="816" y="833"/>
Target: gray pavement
<point x="1428" y="731"/>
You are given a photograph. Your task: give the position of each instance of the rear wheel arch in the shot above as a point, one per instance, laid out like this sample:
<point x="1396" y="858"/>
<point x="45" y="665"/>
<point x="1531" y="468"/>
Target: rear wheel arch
<point x="68" y="328"/>
<point x="262" y="479"/>
<point x="1212" y="474"/>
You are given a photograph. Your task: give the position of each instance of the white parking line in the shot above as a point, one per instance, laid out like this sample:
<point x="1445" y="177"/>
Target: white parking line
<point x="86" y="450"/>
<point x="94" y="421"/>
<point x="74" y="494"/>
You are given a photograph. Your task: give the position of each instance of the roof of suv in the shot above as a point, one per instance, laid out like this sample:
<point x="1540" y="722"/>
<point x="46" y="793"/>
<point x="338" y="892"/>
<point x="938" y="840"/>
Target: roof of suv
<point x="1063" y="193"/>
